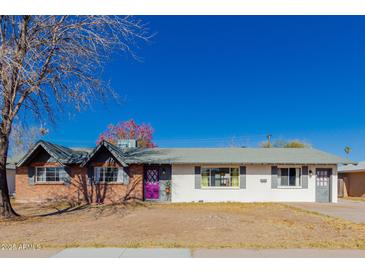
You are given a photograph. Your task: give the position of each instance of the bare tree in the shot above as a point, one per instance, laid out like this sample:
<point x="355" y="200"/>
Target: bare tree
<point x="52" y="63"/>
<point x="236" y="142"/>
<point x="297" y="144"/>
<point x="285" y="144"/>
<point x="22" y="138"/>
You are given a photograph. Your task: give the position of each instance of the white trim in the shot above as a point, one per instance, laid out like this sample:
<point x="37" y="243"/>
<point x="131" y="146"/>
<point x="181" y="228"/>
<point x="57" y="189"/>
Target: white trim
<point x="297" y="177"/>
<point x="219" y="187"/>
<point x="60" y="179"/>
<point x="120" y="175"/>
<point x="290" y="187"/>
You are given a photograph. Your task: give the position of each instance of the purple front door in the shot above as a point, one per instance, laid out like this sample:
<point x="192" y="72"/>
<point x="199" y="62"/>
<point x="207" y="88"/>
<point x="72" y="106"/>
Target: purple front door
<point x="152" y="184"/>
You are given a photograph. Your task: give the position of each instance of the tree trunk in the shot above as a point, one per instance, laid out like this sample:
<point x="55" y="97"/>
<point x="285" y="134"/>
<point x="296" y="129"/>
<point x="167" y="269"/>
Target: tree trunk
<point x="6" y="210"/>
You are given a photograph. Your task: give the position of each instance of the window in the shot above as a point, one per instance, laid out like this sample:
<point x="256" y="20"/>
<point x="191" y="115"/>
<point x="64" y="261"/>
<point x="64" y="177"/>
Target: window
<point x="110" y="174"/>
<point x="220" y="177"/>
<point x="51" y="174"/>
<point x="289" y="177"/>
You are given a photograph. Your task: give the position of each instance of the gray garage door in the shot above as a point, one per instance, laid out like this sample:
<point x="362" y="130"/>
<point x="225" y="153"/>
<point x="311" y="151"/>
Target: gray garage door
<point x="323" y="184"/>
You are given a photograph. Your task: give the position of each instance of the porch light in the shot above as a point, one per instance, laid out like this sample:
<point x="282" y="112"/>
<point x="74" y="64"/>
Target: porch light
<point x="310" y="173"/>
<point x="163" y="171"/>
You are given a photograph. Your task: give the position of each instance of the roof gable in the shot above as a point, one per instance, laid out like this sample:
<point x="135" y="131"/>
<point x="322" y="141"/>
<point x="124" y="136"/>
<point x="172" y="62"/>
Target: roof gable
<point x="59" y="153"/>
<point x="116" y="152"/>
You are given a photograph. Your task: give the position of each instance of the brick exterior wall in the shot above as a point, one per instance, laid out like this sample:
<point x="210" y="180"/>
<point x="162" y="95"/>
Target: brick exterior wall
<point x="79" y="190"/>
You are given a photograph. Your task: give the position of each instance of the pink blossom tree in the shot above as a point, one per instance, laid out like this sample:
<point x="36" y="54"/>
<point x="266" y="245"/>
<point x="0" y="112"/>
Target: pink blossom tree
<point x="129" y="130"/>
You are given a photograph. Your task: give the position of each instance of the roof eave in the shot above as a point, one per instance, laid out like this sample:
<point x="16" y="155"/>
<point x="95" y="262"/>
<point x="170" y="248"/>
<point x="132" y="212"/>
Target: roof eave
<point x="352" y="171"/>
<point x="231" y="163"/>
<point x="348" y="162"/>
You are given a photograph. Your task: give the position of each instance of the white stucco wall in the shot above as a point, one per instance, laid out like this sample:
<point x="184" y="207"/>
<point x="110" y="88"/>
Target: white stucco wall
<point x="183" y="187"/>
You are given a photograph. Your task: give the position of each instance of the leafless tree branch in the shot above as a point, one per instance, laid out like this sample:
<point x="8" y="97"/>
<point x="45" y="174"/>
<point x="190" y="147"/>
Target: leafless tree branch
<point x="48" y="63"/>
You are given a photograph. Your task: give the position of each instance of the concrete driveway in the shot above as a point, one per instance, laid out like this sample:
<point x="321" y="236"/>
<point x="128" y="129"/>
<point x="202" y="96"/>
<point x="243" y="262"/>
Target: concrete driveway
<point x="353" y="211"/>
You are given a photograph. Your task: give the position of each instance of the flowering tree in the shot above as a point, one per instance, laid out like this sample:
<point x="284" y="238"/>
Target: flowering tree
<point x="129" y="130"/>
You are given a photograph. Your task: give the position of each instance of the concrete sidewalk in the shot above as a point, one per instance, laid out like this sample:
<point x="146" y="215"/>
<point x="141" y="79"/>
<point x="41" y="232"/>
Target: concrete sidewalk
<point x="124" y="253"/>
<point x="184" y="253"/>
<point x="278" y="253"/>
<point x="39" y="253"/>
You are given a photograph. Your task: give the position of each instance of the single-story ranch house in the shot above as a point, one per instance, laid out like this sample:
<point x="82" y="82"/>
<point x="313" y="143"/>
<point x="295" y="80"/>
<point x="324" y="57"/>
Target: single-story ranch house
<point x="111" y="173"/>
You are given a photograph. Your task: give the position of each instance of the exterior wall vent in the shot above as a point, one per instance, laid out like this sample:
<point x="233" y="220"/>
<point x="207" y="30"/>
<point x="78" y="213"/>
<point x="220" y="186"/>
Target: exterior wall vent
<point x="127" y="143"/>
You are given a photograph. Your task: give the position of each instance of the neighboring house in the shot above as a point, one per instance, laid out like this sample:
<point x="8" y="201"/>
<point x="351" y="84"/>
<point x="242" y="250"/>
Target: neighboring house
<point x="352" y="180"/>
<point x="110" y="174"/>
<point x="10" y="176"/>
<point x="10" y="173"/>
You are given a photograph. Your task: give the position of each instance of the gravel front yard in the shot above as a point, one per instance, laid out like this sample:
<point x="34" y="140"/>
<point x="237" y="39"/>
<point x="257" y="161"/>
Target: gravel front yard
<point x="251" y="225"/>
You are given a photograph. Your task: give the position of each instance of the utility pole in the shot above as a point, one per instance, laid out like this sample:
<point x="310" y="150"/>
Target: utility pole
<point x="269" y="140"/>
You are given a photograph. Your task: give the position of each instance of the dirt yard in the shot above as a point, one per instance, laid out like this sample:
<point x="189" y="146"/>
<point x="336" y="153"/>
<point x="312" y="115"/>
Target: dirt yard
<point x="357" y="199"/>
<point x="253" y="225"/>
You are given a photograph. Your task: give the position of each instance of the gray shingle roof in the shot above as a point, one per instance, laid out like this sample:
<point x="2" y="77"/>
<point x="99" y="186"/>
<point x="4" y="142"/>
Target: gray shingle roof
<point x="360" y="167"/>
<point x="62" y="154"/>
<point x="192" y="155"/>
<point x="232" y="156"/>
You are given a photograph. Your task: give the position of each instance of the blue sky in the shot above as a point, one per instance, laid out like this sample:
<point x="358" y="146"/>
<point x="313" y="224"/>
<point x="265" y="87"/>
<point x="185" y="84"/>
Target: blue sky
<point x="211" y="81"/>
